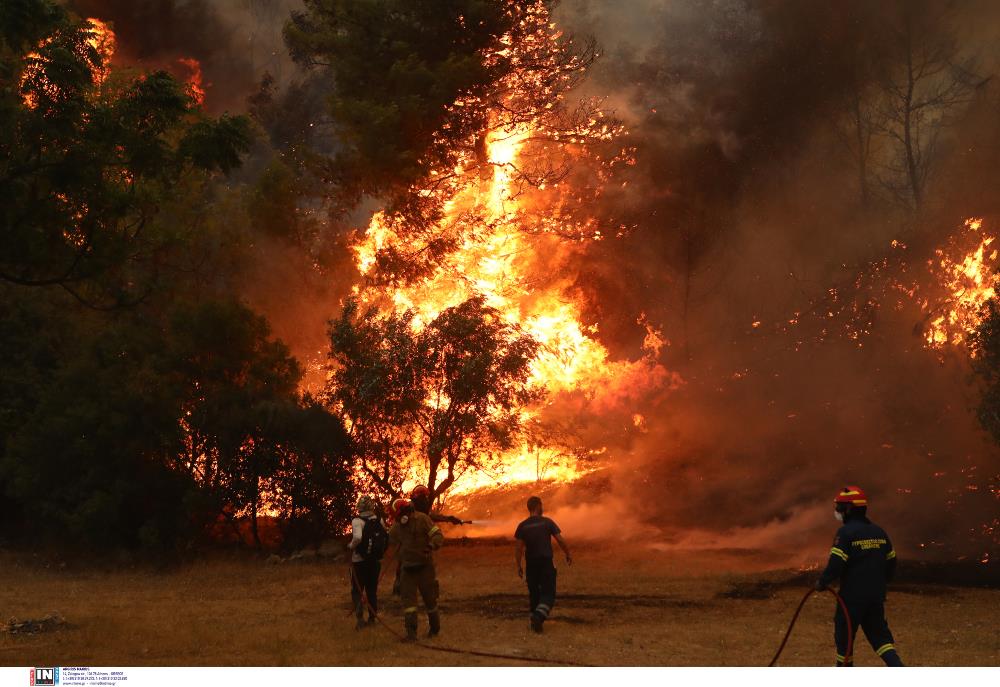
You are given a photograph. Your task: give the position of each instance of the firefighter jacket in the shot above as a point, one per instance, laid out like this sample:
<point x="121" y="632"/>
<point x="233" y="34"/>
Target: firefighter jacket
<point x="417" y="539"/>
<point x="862" y="558"/>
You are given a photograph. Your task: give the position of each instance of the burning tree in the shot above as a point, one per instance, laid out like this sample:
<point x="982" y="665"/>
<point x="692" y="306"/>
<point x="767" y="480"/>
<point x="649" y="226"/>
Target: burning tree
<point x="449" y="393"/>
<point x="418" y="89"/>
<point x="489" y="173"/>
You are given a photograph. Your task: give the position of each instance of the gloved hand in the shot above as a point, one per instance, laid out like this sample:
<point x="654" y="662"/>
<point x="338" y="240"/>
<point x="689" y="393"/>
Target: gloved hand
<point x="820" y="585"/>
<point x="455" y="521"/>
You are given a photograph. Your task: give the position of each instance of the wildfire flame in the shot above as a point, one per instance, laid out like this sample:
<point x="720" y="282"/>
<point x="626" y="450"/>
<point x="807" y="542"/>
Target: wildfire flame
<point x="513" y="265"/>
<point x="969" y="281"/>
<point x="98" y="37"/>
<point x="195" y="84"/>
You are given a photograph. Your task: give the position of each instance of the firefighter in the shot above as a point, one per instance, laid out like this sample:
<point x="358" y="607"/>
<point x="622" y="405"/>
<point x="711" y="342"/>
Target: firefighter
<point x="421" y="499"/>
<point x="863" y="559"/>
<point x="414" y="538"/>
<point x="534" y="543"/>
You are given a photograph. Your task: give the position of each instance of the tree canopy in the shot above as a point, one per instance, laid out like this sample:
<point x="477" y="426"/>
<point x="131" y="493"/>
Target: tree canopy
<point x="143" y="404"/>
<point x="87" y="159"/>
<point x="448" y="395"/>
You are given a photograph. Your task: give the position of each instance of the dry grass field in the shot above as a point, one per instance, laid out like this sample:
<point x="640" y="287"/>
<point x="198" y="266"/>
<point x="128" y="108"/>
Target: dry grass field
<point x="637" y="607"/>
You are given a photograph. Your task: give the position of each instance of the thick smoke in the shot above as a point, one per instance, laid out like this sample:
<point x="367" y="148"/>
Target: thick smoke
<point x="746" y="204"/>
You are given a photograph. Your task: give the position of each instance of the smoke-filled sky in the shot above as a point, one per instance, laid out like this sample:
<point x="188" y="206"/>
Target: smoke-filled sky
<point x="745" y="201"/>
<point x="747" y="210"/>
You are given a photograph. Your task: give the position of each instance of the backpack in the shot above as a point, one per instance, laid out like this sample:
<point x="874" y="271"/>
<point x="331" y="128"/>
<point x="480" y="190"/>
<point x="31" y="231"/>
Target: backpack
<point x="374" y="540"/>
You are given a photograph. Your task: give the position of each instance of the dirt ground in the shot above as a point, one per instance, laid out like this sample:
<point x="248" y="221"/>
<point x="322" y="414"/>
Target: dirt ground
<point x="637" y="607"/>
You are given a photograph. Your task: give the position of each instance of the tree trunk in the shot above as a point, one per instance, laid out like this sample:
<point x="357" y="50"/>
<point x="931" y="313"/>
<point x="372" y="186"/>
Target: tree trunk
<point x="483" y="156"/>
<point x="862" y="151"/>
<point x="908" y="142"/>
<point x="253" y="512"/>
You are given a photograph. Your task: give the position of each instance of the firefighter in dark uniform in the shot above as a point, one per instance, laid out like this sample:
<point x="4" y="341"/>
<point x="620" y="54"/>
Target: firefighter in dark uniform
<point x="414" y="538"/>
<point x="863" y="559"/>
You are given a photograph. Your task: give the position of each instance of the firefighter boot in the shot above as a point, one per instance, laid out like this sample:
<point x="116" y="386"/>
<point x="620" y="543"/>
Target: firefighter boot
<point x="361" y="621"/>
<point x="891" y="658"/>
<point x="536" y="623"/>
<point x="434" y="621"/>
<point x="410" y="622"/>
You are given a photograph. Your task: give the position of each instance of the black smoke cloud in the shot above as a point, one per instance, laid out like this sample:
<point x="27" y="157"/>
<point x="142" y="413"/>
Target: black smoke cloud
<point x="745" y="202"/>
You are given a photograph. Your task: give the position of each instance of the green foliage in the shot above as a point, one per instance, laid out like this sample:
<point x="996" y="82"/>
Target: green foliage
<point x="985" y="344"/>
<point x="274" y="202"/>
<point x="136" y="427"/>
<point x="87" y="162"/>
<point x="396" y="66"/>
<point x="311" y="486"/>
<point x="23" y="23"/>
<point x="450" y="393"/>
<point x="120" y="432"/>
<point x="84" y="464"/>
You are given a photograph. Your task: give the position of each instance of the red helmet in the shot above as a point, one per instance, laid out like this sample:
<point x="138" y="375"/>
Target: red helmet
<point x="853" y="496"/>
<point x="399" y="506"/>
<point x="420" y="490"/>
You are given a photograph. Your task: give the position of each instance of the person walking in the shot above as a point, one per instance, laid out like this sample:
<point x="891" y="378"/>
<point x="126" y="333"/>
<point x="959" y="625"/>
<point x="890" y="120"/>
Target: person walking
<point x="534" y="546"/>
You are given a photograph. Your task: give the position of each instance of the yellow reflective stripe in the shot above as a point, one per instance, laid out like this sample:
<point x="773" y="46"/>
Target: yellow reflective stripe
<point x="889" y="556"/>
<point x="839" y="657"/>
<point x="434" y="529"/>
<point x="837" y="552"/>
<point x="411" y="609"/>
<point x="884" y="648"/>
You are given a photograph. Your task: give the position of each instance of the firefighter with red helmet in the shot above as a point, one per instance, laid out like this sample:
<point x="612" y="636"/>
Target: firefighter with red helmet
<point x="422" y="501"/>
<point x="414" y="538"/>
<point x="863" y="559"/>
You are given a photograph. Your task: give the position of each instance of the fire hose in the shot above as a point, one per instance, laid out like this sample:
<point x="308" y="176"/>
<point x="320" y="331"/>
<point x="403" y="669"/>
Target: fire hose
<point x="448" y="649"/>
<point x="532" y="659"/>
<point x="848" y="656"/>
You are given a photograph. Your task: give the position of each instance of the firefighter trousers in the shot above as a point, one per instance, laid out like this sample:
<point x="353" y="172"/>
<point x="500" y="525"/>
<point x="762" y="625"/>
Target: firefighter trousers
<point x="540" y="575"/>
<point x="420" y="579"/>
<point x="869" y="616"/>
